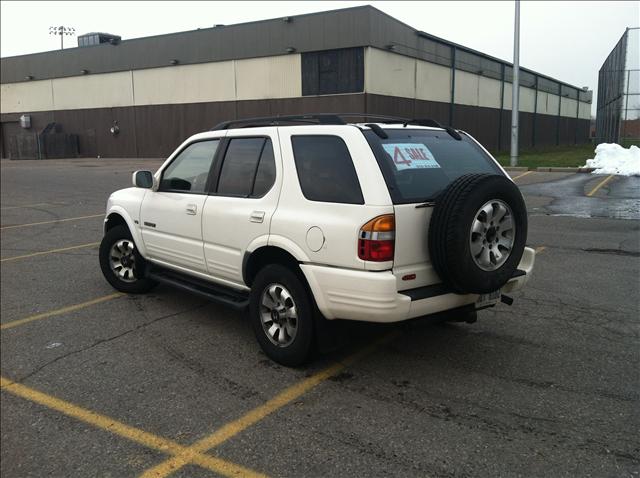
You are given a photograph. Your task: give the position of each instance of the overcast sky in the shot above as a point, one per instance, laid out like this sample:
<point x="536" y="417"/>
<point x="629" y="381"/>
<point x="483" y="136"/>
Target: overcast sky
<point x="566" y="40"/>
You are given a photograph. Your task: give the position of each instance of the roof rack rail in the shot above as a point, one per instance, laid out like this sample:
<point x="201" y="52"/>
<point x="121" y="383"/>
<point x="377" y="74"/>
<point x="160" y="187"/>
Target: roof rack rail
<point x="321" y="118"/>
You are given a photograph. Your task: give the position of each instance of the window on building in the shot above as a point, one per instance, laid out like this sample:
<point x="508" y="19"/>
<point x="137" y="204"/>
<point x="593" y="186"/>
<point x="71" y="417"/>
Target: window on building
<point x="189" y="171"/>
<point x="248" y="169"/>
<point x="325" y="169"/>
<point x="333" y="71"/>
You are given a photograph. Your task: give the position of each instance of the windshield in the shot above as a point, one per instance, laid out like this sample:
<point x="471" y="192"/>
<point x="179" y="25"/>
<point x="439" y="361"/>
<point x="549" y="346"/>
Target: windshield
<point x="419" y="164"/>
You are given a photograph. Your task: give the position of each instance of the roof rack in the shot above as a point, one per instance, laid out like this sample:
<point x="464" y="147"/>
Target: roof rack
<point x="321" y="118"/>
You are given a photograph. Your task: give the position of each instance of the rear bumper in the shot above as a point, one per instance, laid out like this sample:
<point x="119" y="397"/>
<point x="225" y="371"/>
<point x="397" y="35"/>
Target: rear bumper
<point x="373" y="297"/>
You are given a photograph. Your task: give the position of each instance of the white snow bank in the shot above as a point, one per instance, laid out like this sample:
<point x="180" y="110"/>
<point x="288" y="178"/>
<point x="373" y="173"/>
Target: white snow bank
<point x="612" y="158"/>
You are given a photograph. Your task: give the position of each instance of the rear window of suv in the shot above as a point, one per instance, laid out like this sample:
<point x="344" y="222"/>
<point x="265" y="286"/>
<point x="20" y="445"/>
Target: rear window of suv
<point x="418" y="164"/>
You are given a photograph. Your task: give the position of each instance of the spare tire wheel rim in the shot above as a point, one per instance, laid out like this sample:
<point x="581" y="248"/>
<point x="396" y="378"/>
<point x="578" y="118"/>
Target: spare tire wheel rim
<point x="492" y="236"/>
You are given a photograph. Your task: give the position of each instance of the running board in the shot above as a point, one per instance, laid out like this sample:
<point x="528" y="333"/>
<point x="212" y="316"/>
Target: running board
<point x="213" y="292"/>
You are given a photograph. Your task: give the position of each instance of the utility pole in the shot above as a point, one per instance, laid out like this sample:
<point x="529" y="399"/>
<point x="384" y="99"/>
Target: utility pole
<point x="62" y="31"/>
<point x="515" y="106"/>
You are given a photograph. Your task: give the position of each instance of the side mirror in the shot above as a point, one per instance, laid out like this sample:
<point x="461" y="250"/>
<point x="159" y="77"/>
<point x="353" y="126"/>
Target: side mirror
<point x="142" y="179"/>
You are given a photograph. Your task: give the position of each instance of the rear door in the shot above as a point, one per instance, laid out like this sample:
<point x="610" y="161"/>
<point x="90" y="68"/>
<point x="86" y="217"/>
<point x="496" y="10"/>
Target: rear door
<point x="243" y="199"/>
<point x="418" y="165"/>
<point x="171" y="216"/>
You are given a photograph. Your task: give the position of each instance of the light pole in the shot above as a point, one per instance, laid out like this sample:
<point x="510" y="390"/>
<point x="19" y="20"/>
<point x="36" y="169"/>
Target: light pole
<point x="515" y="98"/>
<point x="62" y="31"/>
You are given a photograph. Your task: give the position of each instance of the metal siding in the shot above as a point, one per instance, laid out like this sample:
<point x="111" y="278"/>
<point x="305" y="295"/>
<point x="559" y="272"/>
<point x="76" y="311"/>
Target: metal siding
<point x="26" y="97"/>
<point x="390" y="74"/>
<point x="185" y="84"/>
<point x="99" y="91"/>
<point x="270" y="77"/>
<point x="433" y="82"/>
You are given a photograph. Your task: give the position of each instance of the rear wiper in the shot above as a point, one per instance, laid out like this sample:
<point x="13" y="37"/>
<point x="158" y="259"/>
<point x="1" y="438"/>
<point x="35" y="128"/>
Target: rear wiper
<point x="426" y="204"/>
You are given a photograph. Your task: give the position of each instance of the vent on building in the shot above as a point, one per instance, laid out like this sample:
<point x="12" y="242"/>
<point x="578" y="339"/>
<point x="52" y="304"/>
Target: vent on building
<point x="96" y="38"/>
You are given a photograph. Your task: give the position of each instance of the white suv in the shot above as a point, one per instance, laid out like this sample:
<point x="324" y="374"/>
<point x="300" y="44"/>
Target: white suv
<point x="305" y="219"/>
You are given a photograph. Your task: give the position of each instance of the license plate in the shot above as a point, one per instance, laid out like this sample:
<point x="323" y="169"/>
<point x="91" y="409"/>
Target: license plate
<point x="486" y="300"/>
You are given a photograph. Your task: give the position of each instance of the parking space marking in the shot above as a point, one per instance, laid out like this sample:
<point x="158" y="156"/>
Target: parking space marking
<point x="64" y="310"/>
<point x="600" y="184"/>
<point x="539" y="249"/>
<point x="250" y="418"/>
<point x="103" y="422"/>
<point x="52" y="251"/>
<point x="15" y="226"/>
<point x="521" y="175"/>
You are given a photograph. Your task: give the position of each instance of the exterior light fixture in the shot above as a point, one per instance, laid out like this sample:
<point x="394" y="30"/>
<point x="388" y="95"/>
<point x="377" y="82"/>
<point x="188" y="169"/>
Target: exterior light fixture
<point x="287" y="19"/>
<point x="390" y="46"/>
<point x="291" y="49"/>
<point x="173" y="62"/>
<point x="84" y="72"/>
<point x="28" y="77"/>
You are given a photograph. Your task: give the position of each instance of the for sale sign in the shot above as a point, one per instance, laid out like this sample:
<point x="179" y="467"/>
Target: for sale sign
<point x="410" y="156"/>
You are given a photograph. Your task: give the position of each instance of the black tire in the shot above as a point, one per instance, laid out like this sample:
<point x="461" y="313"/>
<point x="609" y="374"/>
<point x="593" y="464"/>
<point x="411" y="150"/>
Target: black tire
<point x="450" y="229"/>
<point x="136" y="285"/>
<point x="299" y="349"/>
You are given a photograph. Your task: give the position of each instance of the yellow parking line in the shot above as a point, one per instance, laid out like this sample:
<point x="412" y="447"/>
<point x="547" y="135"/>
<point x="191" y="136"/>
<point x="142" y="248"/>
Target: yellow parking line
<point x="539" y="249"/>
<point x="64" y="310"/>
<point x="521" y="175"/>
<point x="52" y="251"/>
<point x="600" y="184"/>
<point x="116" y="427"/>
<point x="51" y="222"/>
<point x="231" y="429"/>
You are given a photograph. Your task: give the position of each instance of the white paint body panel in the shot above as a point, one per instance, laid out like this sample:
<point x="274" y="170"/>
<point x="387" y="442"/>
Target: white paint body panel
<point x="211" y="244"/>
<point x="227" y="229"/>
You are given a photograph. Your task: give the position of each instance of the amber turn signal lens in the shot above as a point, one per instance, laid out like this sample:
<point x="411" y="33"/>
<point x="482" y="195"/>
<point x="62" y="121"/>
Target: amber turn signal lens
<point x="386" y="223"/>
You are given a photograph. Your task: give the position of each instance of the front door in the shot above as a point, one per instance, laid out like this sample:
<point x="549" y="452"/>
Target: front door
<point x="239" y="209"/>
<point x="171" y="217"/>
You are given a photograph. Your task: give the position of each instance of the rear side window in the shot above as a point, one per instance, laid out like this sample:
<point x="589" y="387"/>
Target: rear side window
<point x="189" y="171"/>
<point x="248" y="169"/>
<point x="419" y="164"/>
<point x="325" y="169"/>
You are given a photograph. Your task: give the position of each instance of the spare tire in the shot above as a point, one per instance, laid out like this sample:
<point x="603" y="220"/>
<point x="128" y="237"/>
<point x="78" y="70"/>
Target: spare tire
<point x="477" y="233"/>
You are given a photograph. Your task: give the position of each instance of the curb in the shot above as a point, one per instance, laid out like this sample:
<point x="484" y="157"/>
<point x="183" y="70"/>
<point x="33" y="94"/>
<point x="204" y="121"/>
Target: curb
<point x="515" y="168"/>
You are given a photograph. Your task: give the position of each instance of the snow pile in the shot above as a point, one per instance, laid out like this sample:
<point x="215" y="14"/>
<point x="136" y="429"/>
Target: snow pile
<point x="612" y="158"/>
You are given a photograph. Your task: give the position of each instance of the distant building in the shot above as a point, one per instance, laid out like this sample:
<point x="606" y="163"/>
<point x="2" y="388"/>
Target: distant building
<point x="618" y="109"/>
<point x="142" y="97"/>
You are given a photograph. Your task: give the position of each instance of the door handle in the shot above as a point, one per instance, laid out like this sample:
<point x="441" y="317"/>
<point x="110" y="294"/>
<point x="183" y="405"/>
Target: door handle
<point x="192" y="209"/>
<point x="256" y="216"/>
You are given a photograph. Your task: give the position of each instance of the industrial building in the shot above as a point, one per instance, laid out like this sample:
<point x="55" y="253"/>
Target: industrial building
<point x="618" y="109"/>
<point x="142" y="97"/>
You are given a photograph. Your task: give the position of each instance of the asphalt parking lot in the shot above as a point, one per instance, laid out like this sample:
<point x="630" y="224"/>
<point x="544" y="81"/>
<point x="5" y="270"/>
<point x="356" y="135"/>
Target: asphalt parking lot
<point x="96" y="383"/>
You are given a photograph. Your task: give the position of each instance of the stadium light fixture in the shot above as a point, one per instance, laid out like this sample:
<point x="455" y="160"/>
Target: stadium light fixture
<point x="62" y="31"/>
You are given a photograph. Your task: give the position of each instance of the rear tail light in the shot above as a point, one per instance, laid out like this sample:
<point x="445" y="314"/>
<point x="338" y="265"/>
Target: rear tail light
<point x="376" y="239"/>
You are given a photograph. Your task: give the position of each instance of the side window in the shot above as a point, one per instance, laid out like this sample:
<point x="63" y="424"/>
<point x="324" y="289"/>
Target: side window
<point x="325" y="169"/>
<point x="189" y="171"/>
<point x="248" y="169"/>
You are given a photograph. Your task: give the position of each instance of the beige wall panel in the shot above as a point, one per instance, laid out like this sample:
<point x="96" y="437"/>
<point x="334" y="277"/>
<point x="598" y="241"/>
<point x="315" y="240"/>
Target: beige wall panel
<point x="93" y="91"/>
<point x="569" y="107"/>
<point x="433" y="82"/>
<point x="389" y="74"/>
<point x="527" y="99"/>
<point x="270" y="77"/>
<point x="466" y="88"/>
<point x="489" y="92"/>
<point x="184" y="84"/>
<point x="507" y="95"/>
<point x="26" y="96"/>
<point x="543" y="98"/>
<point x="552" y="104"/>
<point x="585" y="110"/>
